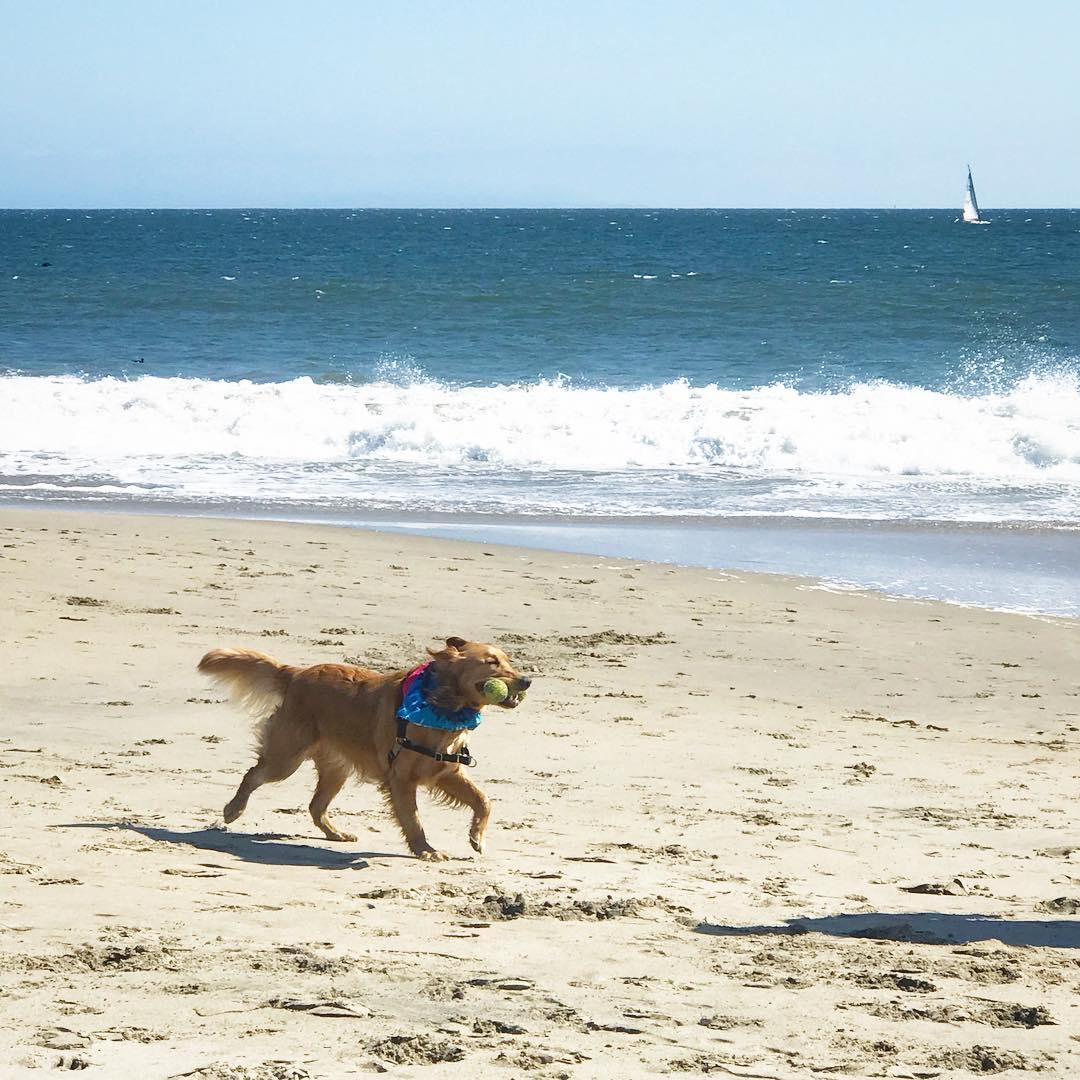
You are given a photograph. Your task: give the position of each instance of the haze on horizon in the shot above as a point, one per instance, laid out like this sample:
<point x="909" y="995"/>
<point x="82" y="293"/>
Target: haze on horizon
<point x="477" y="103"/>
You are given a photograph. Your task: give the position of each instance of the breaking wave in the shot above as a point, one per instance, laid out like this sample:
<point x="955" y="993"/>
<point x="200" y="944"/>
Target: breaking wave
<point x="1029" y="432"/>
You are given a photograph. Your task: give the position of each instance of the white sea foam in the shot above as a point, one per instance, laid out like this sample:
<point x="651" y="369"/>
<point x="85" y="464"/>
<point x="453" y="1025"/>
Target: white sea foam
<point x="1031" y="430"/>
<point x="291" y="439"/>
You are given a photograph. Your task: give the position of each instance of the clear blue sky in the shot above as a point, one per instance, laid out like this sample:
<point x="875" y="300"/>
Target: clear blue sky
<point x="542" y="103"/>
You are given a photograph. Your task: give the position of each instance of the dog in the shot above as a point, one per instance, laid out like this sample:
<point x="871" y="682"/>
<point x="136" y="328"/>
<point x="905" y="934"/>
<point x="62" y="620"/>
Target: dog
<point x="401" y="730"/>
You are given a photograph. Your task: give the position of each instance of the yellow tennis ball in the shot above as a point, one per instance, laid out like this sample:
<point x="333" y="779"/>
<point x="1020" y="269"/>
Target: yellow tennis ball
<point x="496" y="691"/>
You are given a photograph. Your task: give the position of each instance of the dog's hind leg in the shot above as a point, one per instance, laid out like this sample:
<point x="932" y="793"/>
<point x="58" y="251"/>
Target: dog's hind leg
<point x="333" y="772"/>
<point x="262" y="772"/>
<point x="456" y="787"/>
<point x="401" y="795"/>
<point x="284" y="748"/>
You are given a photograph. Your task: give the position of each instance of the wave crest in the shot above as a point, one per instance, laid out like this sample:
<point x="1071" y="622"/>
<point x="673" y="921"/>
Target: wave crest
<point x="1030" y="431"/>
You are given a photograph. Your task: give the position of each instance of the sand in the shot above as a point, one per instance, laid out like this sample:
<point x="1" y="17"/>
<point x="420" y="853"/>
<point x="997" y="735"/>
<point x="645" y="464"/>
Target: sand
<point x="743" y="825"/>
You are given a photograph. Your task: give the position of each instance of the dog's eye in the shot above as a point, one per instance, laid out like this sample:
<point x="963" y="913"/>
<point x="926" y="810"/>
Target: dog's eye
<point x="492" y="660"/>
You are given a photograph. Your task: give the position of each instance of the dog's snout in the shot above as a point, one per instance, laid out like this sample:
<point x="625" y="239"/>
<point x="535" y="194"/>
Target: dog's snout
<point x="524" y="682"/>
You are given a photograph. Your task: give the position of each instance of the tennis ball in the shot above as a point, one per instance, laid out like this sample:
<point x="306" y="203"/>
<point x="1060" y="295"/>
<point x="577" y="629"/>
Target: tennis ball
<point x="495" y="690"/>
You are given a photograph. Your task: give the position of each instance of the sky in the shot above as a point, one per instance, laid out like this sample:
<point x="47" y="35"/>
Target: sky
<point x="118" y="103"/>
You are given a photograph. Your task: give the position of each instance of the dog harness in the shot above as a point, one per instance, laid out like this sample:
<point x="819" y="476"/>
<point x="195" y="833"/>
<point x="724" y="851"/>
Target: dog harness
<point x="416" y="709"/>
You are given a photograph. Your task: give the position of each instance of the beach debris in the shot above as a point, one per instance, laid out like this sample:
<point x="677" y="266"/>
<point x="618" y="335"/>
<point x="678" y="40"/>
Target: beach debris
<point x="499" y="906"/>
<point x="619" y="1029"/>
<point x="724" y="1022"/>
<point x="986" y="1059"/>
<point x="863" y="714"/>
<point x="72" y="1063"/>
<point x="931" y="888"/>
<point x="710" y="1063"/>
<point x="1057" y="852"/>
<point x="120" y="1033"/>
<point x="321" y="1007"/>
<point x="538" y="1059"/>
<point x="862" y="770"/>
<point x="416" y="1050"/>
<point x="62" y="1038"/>
<point x="267" y="1070"/>
<point x="613" y="637"/>
<point x="502" y="982"/>
<point x="496" y="1027"/>
<point x="1061" y="905"/>
<point x="1010" y="1014"/>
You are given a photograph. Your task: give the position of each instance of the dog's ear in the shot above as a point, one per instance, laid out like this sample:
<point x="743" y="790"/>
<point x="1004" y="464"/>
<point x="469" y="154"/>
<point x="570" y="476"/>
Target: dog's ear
<point x="453" y="648"/>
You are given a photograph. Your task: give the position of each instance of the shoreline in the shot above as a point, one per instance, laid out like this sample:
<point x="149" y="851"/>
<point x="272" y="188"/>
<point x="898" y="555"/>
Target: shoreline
<point x="312" y="513"/>
<point x="1029" y="568"/>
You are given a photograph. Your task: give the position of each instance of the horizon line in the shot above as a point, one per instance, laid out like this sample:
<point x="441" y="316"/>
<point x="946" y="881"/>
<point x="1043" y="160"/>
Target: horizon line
<point x="444" y="209"/>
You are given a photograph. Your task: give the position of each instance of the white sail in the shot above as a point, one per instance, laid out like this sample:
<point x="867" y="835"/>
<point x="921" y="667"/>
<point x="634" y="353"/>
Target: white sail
<point x="971" y="204"/>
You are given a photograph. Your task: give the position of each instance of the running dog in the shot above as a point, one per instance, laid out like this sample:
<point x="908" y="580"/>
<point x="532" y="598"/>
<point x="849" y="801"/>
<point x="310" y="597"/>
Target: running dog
<point x="401" y="730"/>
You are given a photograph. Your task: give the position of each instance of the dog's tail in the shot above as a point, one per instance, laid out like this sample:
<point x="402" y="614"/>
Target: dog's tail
<point x="256" y="682"/>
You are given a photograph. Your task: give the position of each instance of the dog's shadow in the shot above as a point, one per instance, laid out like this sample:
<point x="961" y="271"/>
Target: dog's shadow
<point x="264" y="848"/>
<point x="923" y="927"/>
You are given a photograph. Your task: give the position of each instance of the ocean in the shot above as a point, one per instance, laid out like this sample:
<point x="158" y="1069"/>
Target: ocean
<point x="876" y="398"/>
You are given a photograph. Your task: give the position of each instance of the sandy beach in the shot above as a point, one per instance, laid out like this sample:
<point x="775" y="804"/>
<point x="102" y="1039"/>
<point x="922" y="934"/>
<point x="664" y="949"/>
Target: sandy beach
<point x="743" y="825"/>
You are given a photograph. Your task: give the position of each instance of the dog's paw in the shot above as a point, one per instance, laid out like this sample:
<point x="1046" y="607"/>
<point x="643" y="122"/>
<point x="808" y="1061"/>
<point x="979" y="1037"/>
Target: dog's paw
<point x="477" y="844"/>
<point x="343" y="838"/>
<point x="431" y="855"/>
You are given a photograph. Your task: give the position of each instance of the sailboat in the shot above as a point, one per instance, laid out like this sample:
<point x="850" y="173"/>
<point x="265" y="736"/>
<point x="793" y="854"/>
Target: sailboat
<point x="971" y="204"/>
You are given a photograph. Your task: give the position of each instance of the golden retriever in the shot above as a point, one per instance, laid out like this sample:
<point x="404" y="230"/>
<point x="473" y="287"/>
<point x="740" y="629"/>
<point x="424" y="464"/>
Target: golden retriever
<point x="344" y="718"/>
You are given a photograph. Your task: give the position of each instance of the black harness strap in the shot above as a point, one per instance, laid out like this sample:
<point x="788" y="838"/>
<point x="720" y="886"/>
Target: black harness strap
<point x="403" y="742"/>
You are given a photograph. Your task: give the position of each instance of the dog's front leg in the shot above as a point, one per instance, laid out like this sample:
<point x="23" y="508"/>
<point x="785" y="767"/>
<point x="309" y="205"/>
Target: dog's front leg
<point x="460" y="789"/>
<point x="401" y="795"/>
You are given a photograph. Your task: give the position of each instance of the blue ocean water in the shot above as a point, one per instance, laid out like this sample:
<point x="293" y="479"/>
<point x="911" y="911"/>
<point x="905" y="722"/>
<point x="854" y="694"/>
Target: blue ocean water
<point x="735" y="298"/>
<point x="545" y="365"/>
